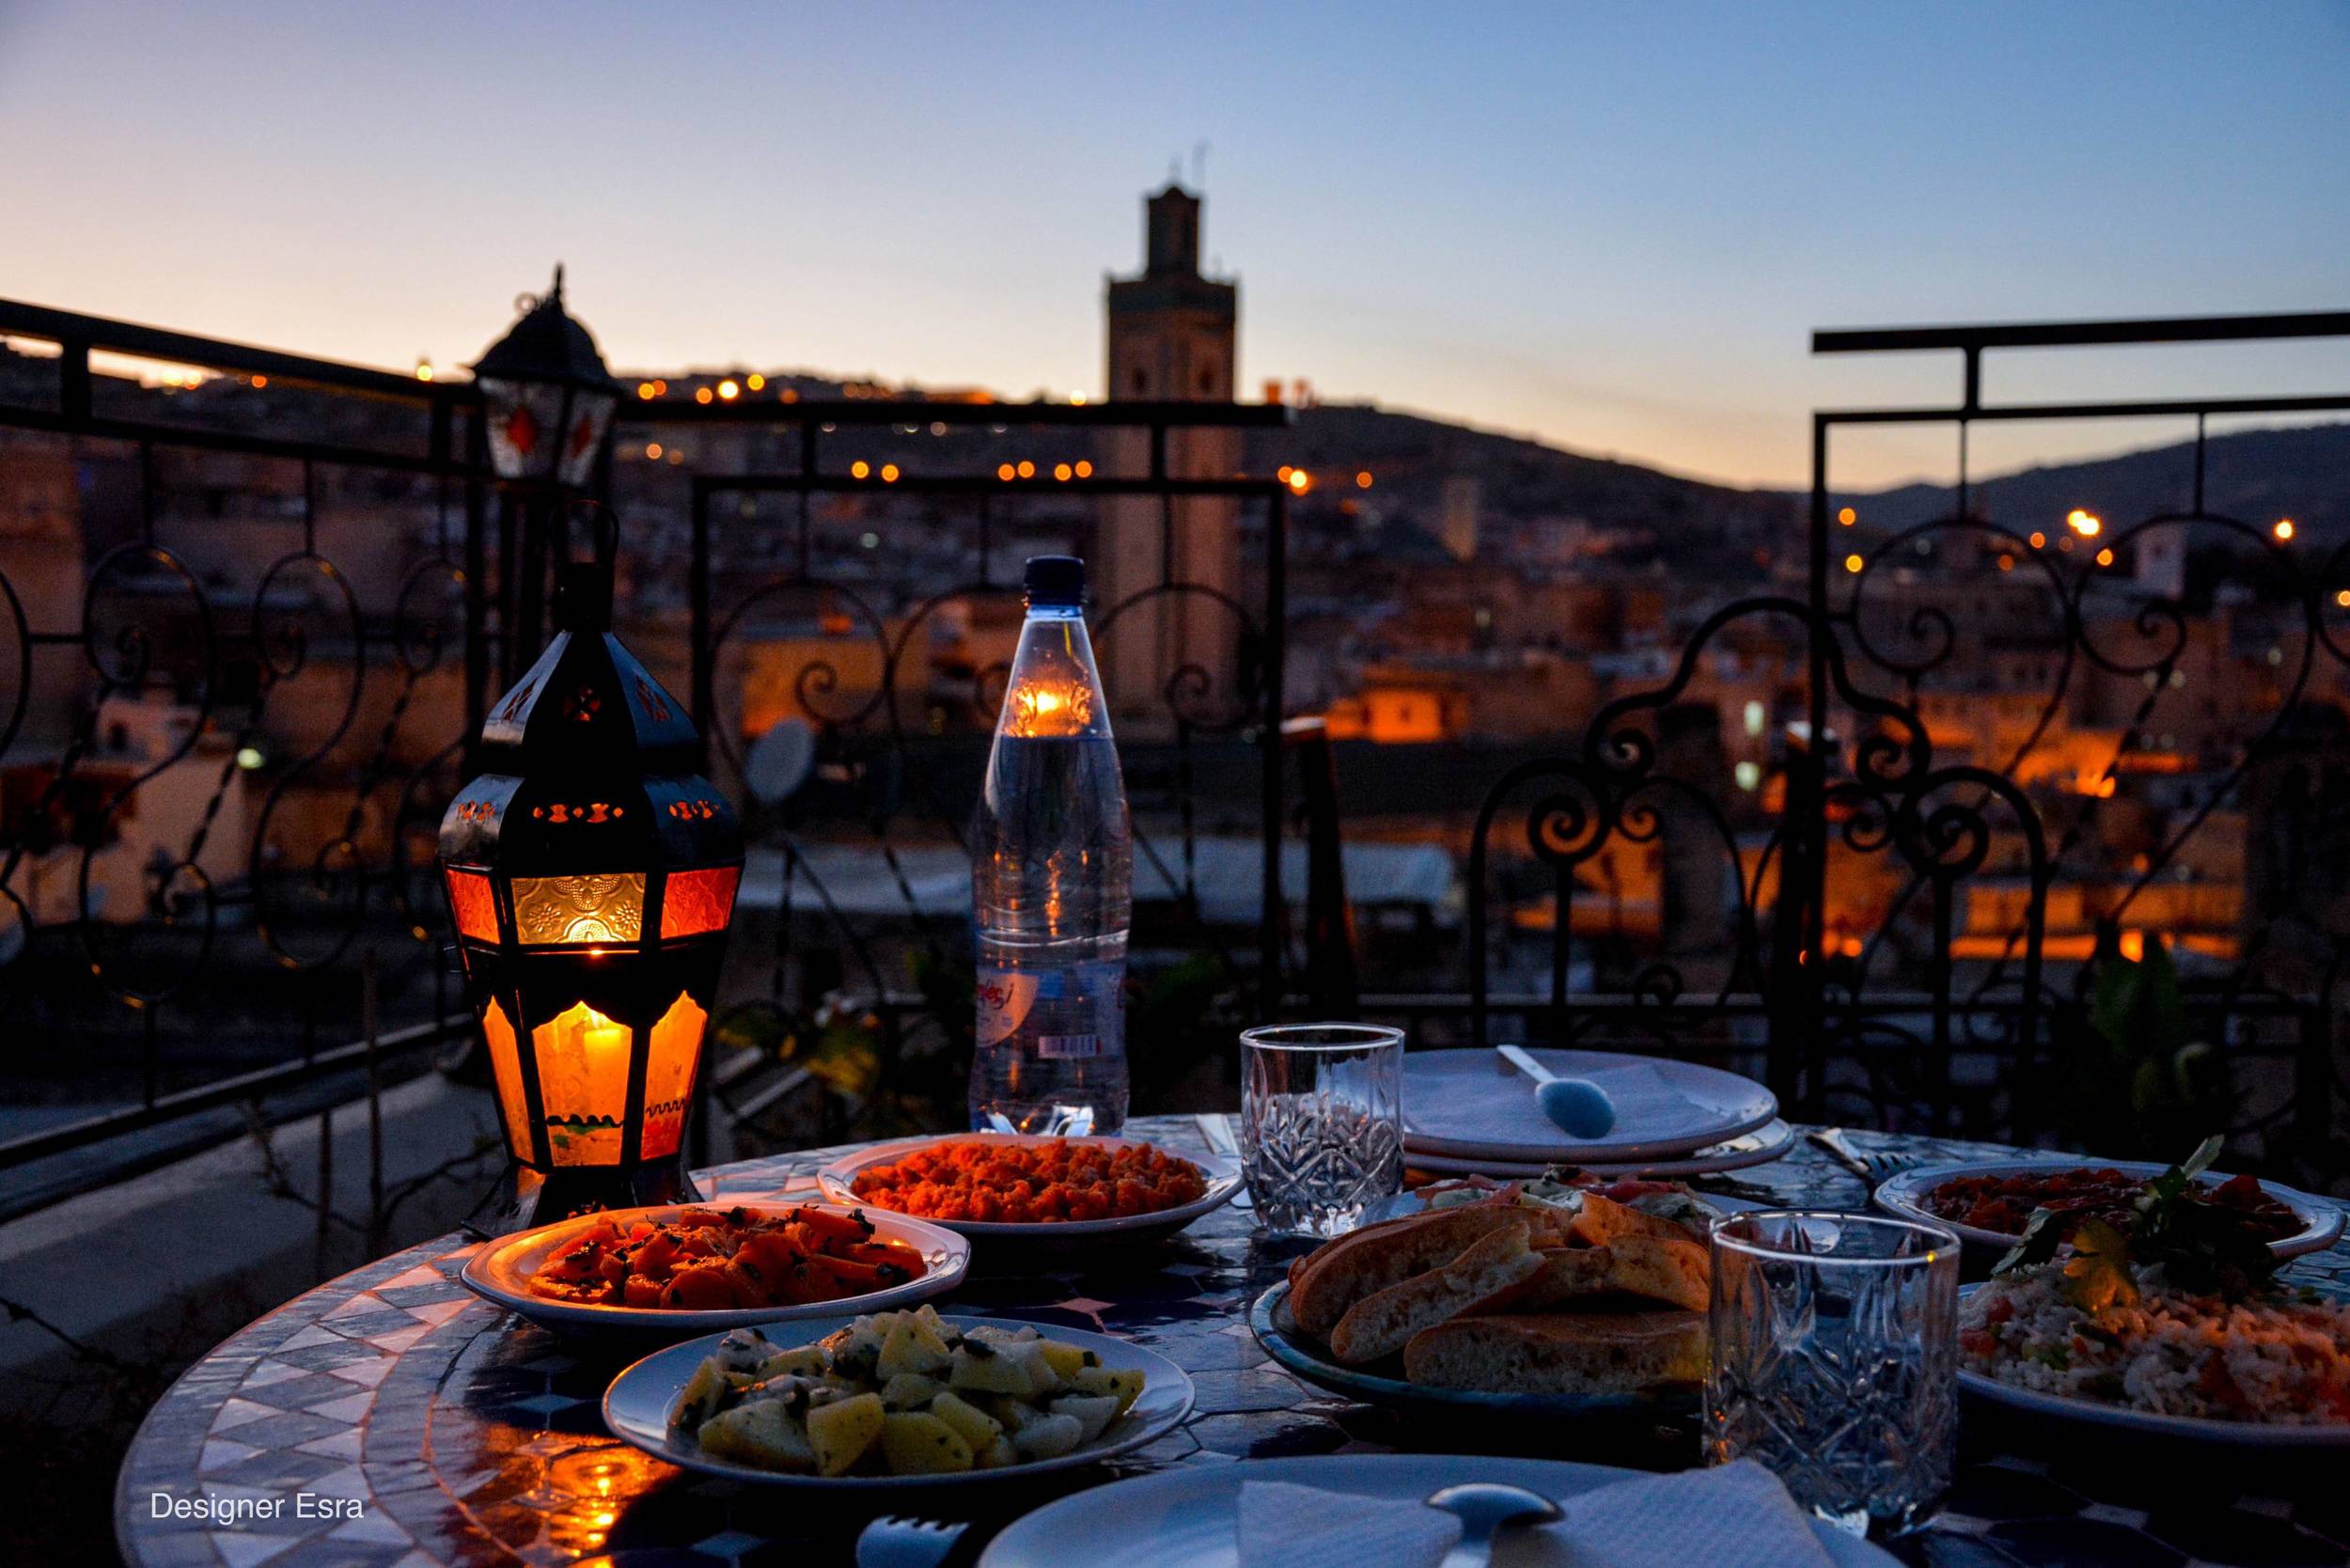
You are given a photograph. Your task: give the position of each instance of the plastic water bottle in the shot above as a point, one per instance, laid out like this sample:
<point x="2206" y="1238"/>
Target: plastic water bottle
<point x="1052" y="878"/>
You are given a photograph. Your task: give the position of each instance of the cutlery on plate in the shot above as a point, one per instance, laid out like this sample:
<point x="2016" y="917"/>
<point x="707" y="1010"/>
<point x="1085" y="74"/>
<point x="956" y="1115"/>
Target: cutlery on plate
<point x="1484" y="1509"/>
<point x="895" y="1540"/>
<point x="1870" y="1165"/>
<point x="1577" y="1106"/>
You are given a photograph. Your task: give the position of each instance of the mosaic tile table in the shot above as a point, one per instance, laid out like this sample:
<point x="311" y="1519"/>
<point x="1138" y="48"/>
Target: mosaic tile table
<point x="466" y="1436"/>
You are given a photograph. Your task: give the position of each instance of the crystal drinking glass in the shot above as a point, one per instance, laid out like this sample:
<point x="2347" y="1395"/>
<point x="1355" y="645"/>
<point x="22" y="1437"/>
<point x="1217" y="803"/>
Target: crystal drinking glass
<point x="1322" y="1124"/>
<point x="1835" y="1362"/>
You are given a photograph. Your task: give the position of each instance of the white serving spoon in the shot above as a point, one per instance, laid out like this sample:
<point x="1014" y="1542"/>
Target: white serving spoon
<point x="1577" y="1106"/>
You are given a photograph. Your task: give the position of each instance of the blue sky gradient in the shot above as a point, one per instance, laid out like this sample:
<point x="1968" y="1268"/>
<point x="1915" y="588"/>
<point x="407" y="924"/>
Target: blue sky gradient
<point x="1608" y="226"/>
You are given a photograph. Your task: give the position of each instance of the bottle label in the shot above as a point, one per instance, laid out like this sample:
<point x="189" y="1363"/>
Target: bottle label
<point x="1006" y="997"/>
<point x="1068" y="1013"/>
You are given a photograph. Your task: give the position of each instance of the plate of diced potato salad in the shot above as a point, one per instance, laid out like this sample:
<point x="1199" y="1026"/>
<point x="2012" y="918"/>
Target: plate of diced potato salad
<point x="895" y="1398"/>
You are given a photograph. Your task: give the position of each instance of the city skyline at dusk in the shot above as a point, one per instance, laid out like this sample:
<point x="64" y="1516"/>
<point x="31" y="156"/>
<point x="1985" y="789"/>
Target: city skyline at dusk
<point x="1611" y="234"/>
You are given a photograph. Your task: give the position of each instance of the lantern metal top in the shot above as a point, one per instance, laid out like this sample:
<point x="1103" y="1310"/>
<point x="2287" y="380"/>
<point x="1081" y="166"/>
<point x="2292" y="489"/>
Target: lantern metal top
<point x="589" y="763"/>
<point x="547" y="344"/>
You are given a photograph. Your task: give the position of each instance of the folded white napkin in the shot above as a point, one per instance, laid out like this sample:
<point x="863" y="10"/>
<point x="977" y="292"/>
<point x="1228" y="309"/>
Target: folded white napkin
<point x="1487" y="1107"/>
<point x="1734" y="1517"/>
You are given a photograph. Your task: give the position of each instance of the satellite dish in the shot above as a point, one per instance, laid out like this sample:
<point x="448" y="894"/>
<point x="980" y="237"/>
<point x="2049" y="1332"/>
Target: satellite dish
<point x="780" y="761"/>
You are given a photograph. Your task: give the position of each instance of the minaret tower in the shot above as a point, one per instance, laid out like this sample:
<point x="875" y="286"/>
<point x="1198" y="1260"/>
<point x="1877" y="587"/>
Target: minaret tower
<point x="1174" y="335"/>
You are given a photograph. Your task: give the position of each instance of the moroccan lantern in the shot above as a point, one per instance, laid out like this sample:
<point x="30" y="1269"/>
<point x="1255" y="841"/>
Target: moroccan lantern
<point x="547" y="397"/>
<point x="591" y="873"/>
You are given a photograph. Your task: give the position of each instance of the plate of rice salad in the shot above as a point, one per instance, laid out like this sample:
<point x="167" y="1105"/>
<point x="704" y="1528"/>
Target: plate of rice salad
<point x="1036" y="1189"/>
<point x="2173" y="1325"/>
<point x="2271" y="1373"/>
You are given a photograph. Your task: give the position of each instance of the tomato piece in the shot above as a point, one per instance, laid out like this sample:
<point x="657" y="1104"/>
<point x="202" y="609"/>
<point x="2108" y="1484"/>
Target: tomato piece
<point x="700" y="1289"/>
<point x="834" y="1226"/>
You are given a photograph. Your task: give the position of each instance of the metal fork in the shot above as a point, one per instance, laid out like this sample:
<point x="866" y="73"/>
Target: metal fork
<point x="1870" y="1165"/>
<point x="897" y="1541"/>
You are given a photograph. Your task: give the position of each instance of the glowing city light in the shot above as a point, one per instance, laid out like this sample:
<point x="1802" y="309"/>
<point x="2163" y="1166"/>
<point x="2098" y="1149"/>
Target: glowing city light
<point x="1004" y="471"/>
<point x="423" y="369"/>
<point x="730" y="389"/>
<point x="859" y="469"/>
<point x="645" y="390"/>
<point x="1062" y="471"/>
<point x="2342" y="598"/>
<point x="1749" y="775"/>
<point x="653" y="451"/>
<point x="1362" y="480"/>
<point x="1848" y="517"/>
<point x="755" y="380"/>
<point x="249" y="757"/>
<point x="2283" y="531"/>
<point x="1027" y="469"/>
<point x="259" y="382"/>
<point x="2084" y="524"/>
<point x="889" y="473"/>
<point x="1300" y="482"/>
<point x="2039" y="539"/>
<point x="701" y="394"/>
<point x="1854" y="563"/>
<point x="1085" y="469"/>
<point x="2007" y="564"/>
<point x="1283" y="473"/>
<point x="2105" y="557"/>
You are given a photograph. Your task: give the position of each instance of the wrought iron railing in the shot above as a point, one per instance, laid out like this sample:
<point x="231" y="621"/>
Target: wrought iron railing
<point x="257" y="621"/>
<point x="1885" y="953"/>
<point x="259" y="602"/>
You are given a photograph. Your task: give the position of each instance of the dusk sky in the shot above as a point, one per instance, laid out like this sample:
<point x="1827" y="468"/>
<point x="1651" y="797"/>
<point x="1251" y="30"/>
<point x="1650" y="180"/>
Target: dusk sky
<point x="1612" y="227"/>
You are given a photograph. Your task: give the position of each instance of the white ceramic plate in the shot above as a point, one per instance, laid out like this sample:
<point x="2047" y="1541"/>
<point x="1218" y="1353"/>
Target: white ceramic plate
<point x="501" y="1271"/>
<point x="1760" y="1147"/>
<point x="1437" y="1120"/>
<point x="1903" y="1195"/>
<point x="1186" y="1517"/>
<point x="1404" y="1206"/>
<point x="2187" y="1429"/>
<point x="1223" y="1177"/>
<point x="638" y="1405"/>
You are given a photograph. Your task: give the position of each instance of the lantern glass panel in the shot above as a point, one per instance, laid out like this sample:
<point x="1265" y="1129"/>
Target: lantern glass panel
<point x="591" y="414"/>
<point x="697" y="902"/>
<point x="583" y="1081"/>
<point x="677" y="1043"/>
<point x="474" y="905"/>
<point x="587" y="910"/>
<point x="525" y="426"/>
<point x="506" y="1063"/>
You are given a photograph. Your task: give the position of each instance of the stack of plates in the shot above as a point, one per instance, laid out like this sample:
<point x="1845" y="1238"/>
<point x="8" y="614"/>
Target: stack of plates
<point x="1468" y="1111"/>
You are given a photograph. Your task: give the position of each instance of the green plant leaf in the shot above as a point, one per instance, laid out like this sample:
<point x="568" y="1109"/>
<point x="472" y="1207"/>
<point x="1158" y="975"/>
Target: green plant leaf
<point x="2036" y="1245"/>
